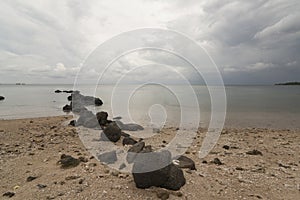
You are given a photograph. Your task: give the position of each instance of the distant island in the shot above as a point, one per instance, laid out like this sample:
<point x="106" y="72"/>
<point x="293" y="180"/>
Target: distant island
<point x="289" y="83"/>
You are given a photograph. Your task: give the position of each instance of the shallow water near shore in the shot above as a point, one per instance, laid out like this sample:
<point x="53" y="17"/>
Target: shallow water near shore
<point x="247" y="106"/>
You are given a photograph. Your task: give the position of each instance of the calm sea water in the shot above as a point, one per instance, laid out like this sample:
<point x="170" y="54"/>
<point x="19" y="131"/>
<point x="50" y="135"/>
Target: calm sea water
<point x="247" y="106"/>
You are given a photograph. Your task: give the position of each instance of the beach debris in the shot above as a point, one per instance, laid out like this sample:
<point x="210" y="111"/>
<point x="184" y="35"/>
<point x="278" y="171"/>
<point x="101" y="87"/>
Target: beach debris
<point x="254" y="152"/>
<point x="31" y="178"/>
<point x="169" y="176"/>
<point x="217" y="161"/>
<point x="112" y="132"/>
<point x="9" y="194"/>
<point x="2" y="98"/>
<point x="108" y="157"/>
<point x="128" y="141"/>
<point x="185" y="162"/>
<point x="67" y="161"/>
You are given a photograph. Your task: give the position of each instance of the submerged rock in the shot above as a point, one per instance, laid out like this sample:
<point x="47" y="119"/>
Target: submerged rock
<point x="58" y="91"/>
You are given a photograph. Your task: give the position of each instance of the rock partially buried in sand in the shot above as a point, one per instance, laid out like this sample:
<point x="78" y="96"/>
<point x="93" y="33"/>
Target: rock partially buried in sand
<point x="67" y="161"/>
<point x="9" y="194"/>
<point x="169" y="176"/>
<point x="132" y="152"/>
<point x="185" y="162"/>
<point x="254" y="152"/>
<point x="2" y="98"/>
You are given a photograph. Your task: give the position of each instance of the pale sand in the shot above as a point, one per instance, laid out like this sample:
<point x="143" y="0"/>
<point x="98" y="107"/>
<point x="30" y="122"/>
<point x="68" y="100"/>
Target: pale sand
<point x="32" y="147"/>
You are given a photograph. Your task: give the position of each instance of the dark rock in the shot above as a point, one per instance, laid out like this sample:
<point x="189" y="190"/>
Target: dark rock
<point x="67" y="108"/>
<point x="68" y="91"/>
<point x="78" y="98"/>
<point x="2" y="98"/>
<point x="254" y="152"/>
<point x="129" y="127"/>
<point x="128" y="141"/>
<point x="204" y="162"/>
<point x="57" y="91"/>
<point x="239" y="168"/>
<point x="41" y="186"/>
<point x="176" y="179"/>
<point x="185" y="162"/>
<point x="102" y="118"/>
<point x="217" y="161"/>
<point x="69" y="98"/>
<point x="226" y="147"/>
<point x="67" y="161"/>
<point x="169" y="177"/>
<point x="9" y="194"/>
<point x="108" y="157"/>
<point x="72" y="123"/>
<point x="31" y="178"/>
<point x="112" y="132"/>
<point x="125" y="134"/>
<point x="132" y="152"/>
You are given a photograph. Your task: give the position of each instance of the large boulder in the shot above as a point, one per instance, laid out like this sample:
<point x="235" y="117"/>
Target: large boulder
<point x="2" y="98"/>
<point x="112" y="132"/>
<point x="146" y="175"/>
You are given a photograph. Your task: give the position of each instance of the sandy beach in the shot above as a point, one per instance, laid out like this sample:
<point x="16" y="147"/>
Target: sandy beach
<point x="31" y="148"/>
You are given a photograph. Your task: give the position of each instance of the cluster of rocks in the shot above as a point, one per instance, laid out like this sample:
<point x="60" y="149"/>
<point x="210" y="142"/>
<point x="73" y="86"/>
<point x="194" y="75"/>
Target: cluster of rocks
<point x="2" y="98"/>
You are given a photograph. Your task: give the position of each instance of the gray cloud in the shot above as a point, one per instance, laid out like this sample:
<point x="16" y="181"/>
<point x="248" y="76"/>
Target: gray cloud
<point x="252" y="42"/>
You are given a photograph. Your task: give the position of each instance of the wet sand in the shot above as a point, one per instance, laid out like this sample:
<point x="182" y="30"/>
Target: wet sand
<point x="32" y="148"/>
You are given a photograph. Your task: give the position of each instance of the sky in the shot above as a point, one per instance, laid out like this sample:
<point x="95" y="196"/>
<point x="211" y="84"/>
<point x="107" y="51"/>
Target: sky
<point x="251" y="42"/>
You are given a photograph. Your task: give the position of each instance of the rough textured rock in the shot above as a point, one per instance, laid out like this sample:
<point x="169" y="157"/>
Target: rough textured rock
<point x="67" y="161"/>
<point x="132" y="152"/>
<point x="112" y="132"/>
<point x="128" y="141"/>
<point x="146" y="175"/>
<point x="9" y="194"/>
<point x="102" y="118"/>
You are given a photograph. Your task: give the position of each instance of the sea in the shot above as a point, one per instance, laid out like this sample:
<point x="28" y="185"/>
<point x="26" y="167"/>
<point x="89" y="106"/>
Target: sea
<point x="276" y="107"/>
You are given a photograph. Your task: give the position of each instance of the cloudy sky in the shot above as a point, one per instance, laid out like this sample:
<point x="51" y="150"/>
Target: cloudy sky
<point x="251" y="42"/>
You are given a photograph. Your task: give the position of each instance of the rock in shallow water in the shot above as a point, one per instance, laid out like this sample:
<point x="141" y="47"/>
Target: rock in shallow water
<point x="2" y="98"/>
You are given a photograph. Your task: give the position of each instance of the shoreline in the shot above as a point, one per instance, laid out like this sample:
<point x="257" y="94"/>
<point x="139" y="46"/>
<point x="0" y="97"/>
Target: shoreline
<point x="32" y="147"/>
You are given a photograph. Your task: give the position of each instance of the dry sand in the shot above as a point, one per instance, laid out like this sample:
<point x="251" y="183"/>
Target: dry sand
<point x="32" y="147"/>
